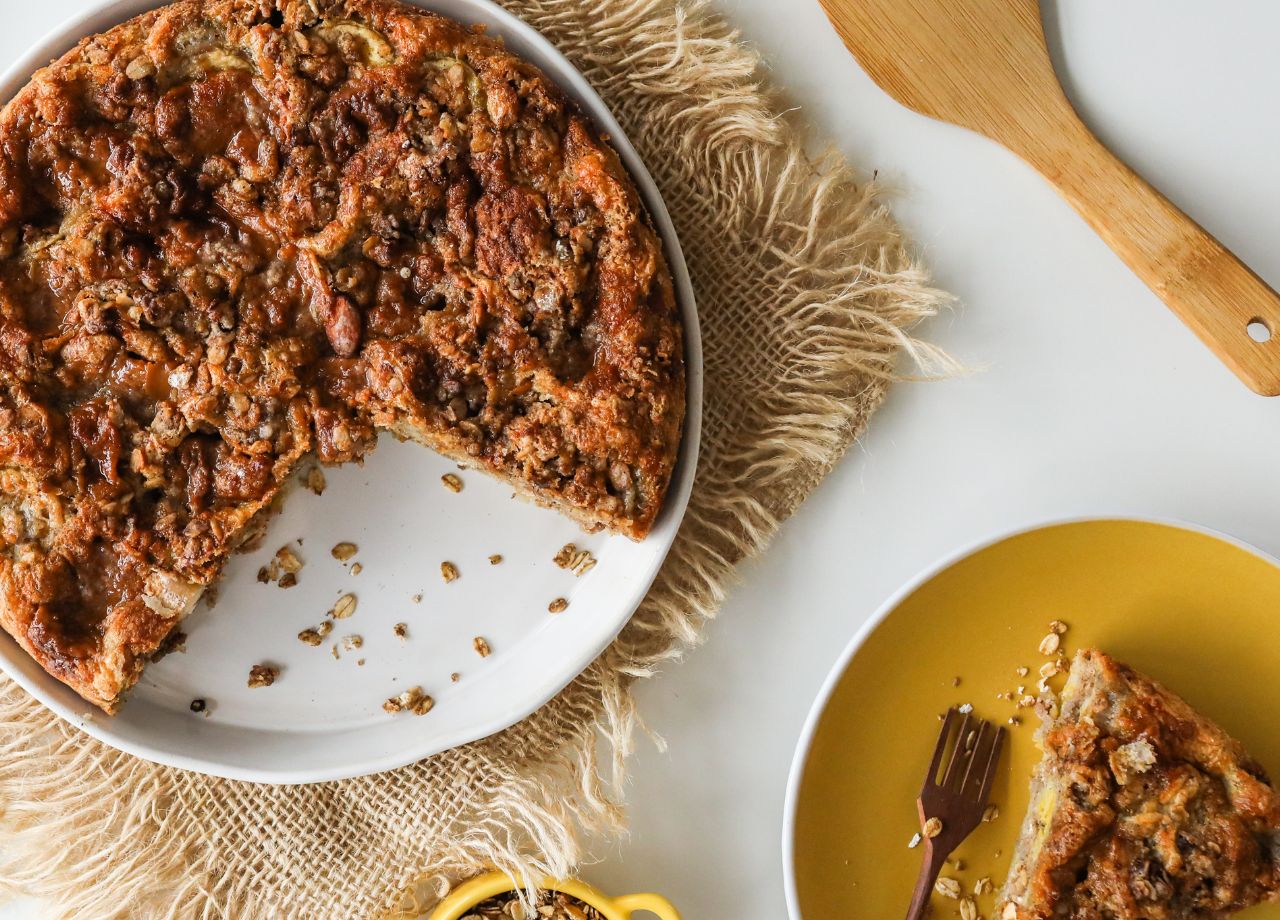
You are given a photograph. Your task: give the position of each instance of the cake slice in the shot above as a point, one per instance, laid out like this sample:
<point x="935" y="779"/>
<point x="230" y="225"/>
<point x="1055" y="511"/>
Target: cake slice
<point x="1142" y="809"/>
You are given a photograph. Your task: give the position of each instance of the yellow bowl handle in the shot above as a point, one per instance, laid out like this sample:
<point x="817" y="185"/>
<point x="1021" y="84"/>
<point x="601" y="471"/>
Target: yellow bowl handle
<point x="654" y="903"/>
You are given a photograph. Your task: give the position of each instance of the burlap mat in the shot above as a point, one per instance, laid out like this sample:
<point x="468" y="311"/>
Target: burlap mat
<point x="804" y="291"/>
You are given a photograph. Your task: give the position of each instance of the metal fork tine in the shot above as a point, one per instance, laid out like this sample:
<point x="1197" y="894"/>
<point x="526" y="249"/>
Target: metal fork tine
<point x="932" y="776"/>
<point x="958" y="753"/>
<point x="989" y="773"/>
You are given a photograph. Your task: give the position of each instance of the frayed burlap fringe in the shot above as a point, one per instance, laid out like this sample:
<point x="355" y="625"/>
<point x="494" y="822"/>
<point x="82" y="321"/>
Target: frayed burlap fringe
<point x="805" y="293"/>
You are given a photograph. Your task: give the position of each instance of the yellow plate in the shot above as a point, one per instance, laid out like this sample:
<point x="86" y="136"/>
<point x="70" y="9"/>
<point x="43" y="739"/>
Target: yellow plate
<point x="1192" y="609"/>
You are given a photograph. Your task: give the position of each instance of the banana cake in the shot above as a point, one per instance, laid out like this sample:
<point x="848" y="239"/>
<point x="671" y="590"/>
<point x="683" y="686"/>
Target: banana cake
<point x="1142" y="809"/>
<point x="238" y="234"/>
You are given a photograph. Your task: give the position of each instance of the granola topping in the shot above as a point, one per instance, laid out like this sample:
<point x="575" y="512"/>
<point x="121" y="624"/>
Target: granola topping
<point x="263" y="675"/>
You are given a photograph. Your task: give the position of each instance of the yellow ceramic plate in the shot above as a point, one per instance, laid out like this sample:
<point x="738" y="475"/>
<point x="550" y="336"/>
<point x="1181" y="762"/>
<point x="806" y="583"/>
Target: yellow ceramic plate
<point x="1196" y="611"/>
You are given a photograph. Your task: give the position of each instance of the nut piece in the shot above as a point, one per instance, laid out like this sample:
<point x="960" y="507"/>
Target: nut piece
<point x="947" y="887"/>
<point x="413" y="700"/>
<point x="452" y="482"/>
<point x="344" y="551"/>
<point x="559" y="605"/>
<point x="578" y="561"/>
<point x="448" y="571"/>
<point x="287" y="580"/>
<point x="1058" y="627"/>
<point x="289" y="561"/>
<point x="481" y="647"/>
<point x="933" y="827"/>
<point x="342" y="326"/>
<point x="344" y="608"/>
<point x="1049" y="644"/>
<point x="356" y="568"/>
<point x="311" y="637"/>
<point x="263" y="675"/>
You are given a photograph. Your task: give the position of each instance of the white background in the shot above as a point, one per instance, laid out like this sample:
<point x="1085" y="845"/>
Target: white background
<point x="1090" y="398"/>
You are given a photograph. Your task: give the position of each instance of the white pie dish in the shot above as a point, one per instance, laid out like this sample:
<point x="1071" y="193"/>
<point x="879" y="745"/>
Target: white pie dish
<point x="323" y="718"/>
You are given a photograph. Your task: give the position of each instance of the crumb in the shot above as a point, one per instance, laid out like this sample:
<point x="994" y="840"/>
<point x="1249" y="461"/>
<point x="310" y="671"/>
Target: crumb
<point x="345" y="606"/>
<point x="578" y="561"/>
<point x="559" y="605"/>
<point x="965" y="709"/>
<point x="333" y="650"/>
<point x="495" y="559"/>
<point x="955" y="681"/>
<point x="352" y="642"/>
<point x="455" y="677"/>
<point x="324" y="628"/>
<point x="288" y="560"/>
<point x="263" y="675"/>
<point x="933" y="827"/>
<point x="263" y="575"/>
<point x="359" y="662"/>
<point x="417" y="598"/>
<point x="913" y="842"/>
<point x="315" y="480"/>
<point x="452" y="482"/>
<point x="356" y="568"/>
<point x="287" y="580"/>
<point x="401" y="630"/>
<point x="344" y="551"/>
<point x="412" y="699"/>
<point x="481" y="647"/>
<point x="311" y="637"/>
<point x="448" y="571"/>
<point x="947" y="887"/>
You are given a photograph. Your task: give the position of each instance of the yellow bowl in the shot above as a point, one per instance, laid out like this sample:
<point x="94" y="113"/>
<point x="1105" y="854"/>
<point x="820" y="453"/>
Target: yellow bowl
<point x="469" y="894"/>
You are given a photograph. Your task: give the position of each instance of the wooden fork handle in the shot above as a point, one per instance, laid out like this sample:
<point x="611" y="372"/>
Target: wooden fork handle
<point x="1210" y="289"/>
<point x="929" y="871"/>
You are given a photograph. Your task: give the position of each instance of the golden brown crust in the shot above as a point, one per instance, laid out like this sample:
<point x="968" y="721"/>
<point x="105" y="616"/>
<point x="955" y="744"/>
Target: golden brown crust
<point x="234" y="233"/>
<point x="1141" y="808"/>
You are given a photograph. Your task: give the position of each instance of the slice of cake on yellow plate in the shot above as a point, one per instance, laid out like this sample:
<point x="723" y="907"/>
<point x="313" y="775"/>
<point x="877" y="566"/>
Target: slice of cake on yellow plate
<point x="1142" y="809"/>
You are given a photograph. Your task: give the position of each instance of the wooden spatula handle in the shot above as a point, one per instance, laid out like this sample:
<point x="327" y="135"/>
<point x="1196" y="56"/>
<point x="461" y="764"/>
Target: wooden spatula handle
<point x="1213" y="292"/>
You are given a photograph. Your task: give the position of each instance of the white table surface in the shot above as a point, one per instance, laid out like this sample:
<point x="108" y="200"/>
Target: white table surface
<point x="1091" y="397"/>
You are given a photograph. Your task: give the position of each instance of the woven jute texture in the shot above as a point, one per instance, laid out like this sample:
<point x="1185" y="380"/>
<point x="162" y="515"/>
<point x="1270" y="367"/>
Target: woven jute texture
<point x="805" y="293"/>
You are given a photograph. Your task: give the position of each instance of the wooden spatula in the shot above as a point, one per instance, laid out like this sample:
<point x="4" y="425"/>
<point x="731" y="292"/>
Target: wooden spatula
<point x="984" y="65"/>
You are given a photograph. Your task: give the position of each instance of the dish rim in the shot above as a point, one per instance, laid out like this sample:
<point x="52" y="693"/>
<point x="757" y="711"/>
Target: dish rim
<point x="817" y="709"/>
<point x="101" y="15"/>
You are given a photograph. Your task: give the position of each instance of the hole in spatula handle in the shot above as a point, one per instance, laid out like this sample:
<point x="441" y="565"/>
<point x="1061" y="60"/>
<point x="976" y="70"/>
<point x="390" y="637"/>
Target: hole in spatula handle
<point x="1259" y="330"/>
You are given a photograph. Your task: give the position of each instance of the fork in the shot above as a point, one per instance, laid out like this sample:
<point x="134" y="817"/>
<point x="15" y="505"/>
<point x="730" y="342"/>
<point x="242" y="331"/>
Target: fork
<point x="957" y="797"/>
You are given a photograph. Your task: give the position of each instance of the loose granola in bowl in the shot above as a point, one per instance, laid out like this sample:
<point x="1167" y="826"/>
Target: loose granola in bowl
<point x="497" y="896"/>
